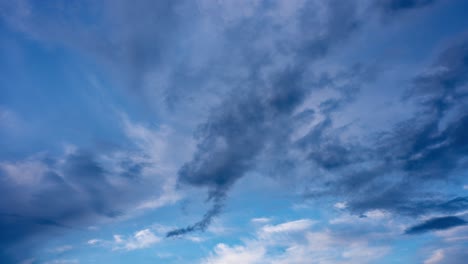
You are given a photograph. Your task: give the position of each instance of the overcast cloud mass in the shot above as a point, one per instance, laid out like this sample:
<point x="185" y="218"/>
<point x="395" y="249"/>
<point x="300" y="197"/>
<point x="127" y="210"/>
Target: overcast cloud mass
<point x="218" y="132"/>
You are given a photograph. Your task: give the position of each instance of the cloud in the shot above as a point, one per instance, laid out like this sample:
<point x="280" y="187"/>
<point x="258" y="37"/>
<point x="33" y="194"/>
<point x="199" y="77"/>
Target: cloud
<point x="340" y="205"/>
<point x="452" y="255"/>
<point x="237" y="254"/>
<point x="436" y="257"/>
<point x="451" y="248"/>
<point x="258" y="121"/>
<point x="63" y="261"/>
<point x="94" y="241"/>
<point x="141" y="239"/>
<point x="62" y="249"/>
<point x="260" y="220"/>
<point x="438" y="223"/>
<point x="10" y="122"/>
<point x="293" y="226"/>
<point x="255" y="77"/>
<point x="201" y="225"/>
<point x="297" y="242"/>
<point x="259" y="113"/>
<point x="26" y="172"/>
<point x="95" y="185"/>
<point x="397" y="170"/>
<point x="35" y="210"/>
<point x="396" y="6"/>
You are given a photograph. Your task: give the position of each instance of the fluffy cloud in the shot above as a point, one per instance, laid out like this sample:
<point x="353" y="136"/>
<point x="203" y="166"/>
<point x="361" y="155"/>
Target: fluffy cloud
<point x="298" y="242"/>
<point x="141" y="239"/>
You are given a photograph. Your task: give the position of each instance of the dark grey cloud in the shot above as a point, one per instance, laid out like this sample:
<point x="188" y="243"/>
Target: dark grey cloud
<point x="407" y="202"/>
<point x="433" y="142"/>
<point x="398" y="169"/>
<point x="395" y="6"/>
<point x="322" y="144"/>
<point x="206" y="220"/>
<point x="438" y="223"/>
<point x="259" y="112"/>
<point x="231" y="141"/>
<point x="71" y="193"/>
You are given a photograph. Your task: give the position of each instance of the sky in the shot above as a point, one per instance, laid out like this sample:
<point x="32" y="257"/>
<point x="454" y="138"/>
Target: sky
<point x="237" y="131"/>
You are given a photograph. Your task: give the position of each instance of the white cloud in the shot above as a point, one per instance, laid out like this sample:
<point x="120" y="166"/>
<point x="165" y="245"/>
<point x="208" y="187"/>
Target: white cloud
<point x="153" y="142"/>
<point x="376" y="214"/>
<point x="340" y="205"/>
<point x="62" y="249"/>
<point x="195" y="239"/>
<point x="28" y="261"/>
<point x="94" y="241"/>
<point x="63" y="261"/>
<point x="436" y="257"/>
<point x="217" y="227"/>
<point x="371" y="217"/>
<point x="459" y="233"/>
<point x="141" y="239"/>
<point x="260" y="220"/>
<point x="293" y="226"/>
<point x="118" y="239"/>
<point x="93" y="228"/>
<point x="453" y="254"/>
<point x="365" y="253"/>
<point x="450" y="248"/>
<point x="10" y="121"/>
<point x="168" y="196"/>
<point x="27" y="172"/>
<point x="165" y="150"/>
<point x="295" y="242"/>
<point x="224" y="254"/>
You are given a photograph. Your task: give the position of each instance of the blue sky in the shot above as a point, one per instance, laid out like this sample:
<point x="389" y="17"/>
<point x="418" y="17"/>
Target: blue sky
<point x="221" y="132"/>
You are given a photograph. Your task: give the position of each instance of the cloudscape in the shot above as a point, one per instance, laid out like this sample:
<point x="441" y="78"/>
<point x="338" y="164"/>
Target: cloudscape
<point x="234" y="132"/>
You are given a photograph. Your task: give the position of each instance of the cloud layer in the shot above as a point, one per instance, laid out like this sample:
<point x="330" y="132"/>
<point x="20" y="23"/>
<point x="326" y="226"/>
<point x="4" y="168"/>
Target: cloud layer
<point x="314" y="95"/>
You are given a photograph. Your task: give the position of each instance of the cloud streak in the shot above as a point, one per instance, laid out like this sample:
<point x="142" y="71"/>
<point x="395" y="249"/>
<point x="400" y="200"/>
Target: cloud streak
<point x="437" y="223"/>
